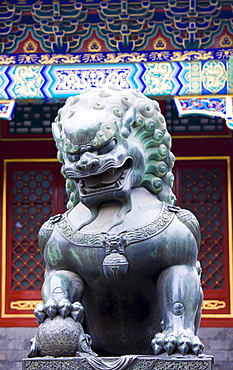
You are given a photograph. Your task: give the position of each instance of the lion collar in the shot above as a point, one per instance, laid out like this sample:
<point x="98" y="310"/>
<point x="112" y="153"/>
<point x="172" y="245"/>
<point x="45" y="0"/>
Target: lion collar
<point x="115" y="264"/>
<point x="161" y="222"/>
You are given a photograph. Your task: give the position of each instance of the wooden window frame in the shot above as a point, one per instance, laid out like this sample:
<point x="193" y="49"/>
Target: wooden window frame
<point x="217" y="309"/>
<point x="17" y="306"/>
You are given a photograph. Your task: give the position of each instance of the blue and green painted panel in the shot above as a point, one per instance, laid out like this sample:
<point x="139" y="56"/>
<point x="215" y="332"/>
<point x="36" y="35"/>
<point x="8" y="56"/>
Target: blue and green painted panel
<point x="33" y="81"/>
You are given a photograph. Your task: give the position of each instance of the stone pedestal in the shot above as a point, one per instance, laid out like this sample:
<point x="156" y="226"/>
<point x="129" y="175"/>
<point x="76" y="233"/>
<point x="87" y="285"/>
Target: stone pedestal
<point x="129" y="362"/>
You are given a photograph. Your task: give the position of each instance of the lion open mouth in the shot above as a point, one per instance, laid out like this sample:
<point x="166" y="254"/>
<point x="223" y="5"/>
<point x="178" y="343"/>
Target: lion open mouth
<point x="112" y="179"/>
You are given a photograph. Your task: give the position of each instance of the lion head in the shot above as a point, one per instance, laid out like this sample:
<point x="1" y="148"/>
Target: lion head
<point x="111" y="140"/>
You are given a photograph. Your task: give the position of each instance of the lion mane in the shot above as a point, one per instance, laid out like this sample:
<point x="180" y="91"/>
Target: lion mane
<point x="148" y="129"/>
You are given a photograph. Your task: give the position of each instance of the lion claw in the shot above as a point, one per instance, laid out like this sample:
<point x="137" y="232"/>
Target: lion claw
<point x="196" y="350"/>
<point x="50" y="308"/>
<point x="39" y="313"/>
<point x="169" y="348"/>
<point x="183" y="349"/>
<point x="170" y="344"/>
<point x="157" y="347"/>
<point x="63" y="308"/>
<point x="197" y="346"/>
<point x="77" y="312"/>
<point x="183" y="344"/>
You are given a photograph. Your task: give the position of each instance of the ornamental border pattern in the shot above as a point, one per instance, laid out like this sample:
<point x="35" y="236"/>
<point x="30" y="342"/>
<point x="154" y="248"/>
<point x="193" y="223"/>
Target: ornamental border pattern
<point x="27" y="305"/>
<point x="116" y="57"/>
<point x="161" y="222"/>
<point x="28" y="81"/>
<point x="126" y="362"/>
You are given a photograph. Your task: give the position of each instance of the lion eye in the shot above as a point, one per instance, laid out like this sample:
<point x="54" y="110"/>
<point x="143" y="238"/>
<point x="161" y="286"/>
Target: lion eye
<point x="73" y="157"/>
<point x="108" y="147"/>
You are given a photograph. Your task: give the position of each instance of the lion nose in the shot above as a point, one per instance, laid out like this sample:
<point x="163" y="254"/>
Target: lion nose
<point x="86" y="164"/>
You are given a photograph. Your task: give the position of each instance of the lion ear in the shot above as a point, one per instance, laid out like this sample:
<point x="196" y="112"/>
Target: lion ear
<point x="56" y="134"/>
<point x="127" y="121"/>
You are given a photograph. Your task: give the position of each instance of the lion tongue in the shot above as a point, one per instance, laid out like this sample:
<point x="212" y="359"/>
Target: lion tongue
<point x="92" y="182"/>
<point x="102" y="179"/>
<point x="110" y="177"/>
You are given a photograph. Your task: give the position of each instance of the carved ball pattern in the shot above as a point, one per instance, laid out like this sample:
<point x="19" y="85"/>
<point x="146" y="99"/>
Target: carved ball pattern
<point x="59" y="337"/>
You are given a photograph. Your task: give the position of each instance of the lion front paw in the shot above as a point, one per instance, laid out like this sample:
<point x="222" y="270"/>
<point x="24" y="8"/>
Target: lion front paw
<point x="63" y="308"/>
<point x="183" y="343"/>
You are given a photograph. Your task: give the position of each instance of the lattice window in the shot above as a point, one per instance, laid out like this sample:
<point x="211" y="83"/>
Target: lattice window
<point x="203" y="186"/>
<point x="34" y="192"/>
<point x="202" y="193"/>
<point x="31" y="206"/>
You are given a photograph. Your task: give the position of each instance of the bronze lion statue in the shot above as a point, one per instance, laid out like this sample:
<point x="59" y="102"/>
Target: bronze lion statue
<point x="122" y="261"/>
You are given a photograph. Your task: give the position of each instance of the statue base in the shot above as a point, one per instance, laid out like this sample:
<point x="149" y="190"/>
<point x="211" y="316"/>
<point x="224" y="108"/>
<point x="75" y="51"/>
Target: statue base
<point x="128" y="362"/>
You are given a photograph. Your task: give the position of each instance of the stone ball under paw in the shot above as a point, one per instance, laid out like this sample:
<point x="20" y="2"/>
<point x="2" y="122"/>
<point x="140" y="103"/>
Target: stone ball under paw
<point x="59" y="337"/>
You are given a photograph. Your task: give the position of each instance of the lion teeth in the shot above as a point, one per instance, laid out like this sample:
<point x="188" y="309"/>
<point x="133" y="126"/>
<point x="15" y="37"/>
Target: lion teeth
<point x="81" y="183"/>
<point x="111" y="171"/>
<point x="124" y="173"/>
<point x="112" y="179"/>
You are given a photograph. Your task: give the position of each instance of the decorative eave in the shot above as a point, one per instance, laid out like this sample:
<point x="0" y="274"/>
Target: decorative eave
<point x="59" y="76"/>
<point x="196" y="73"/>
<point x="117" y="57"/>
<point x="213" y="106"/>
